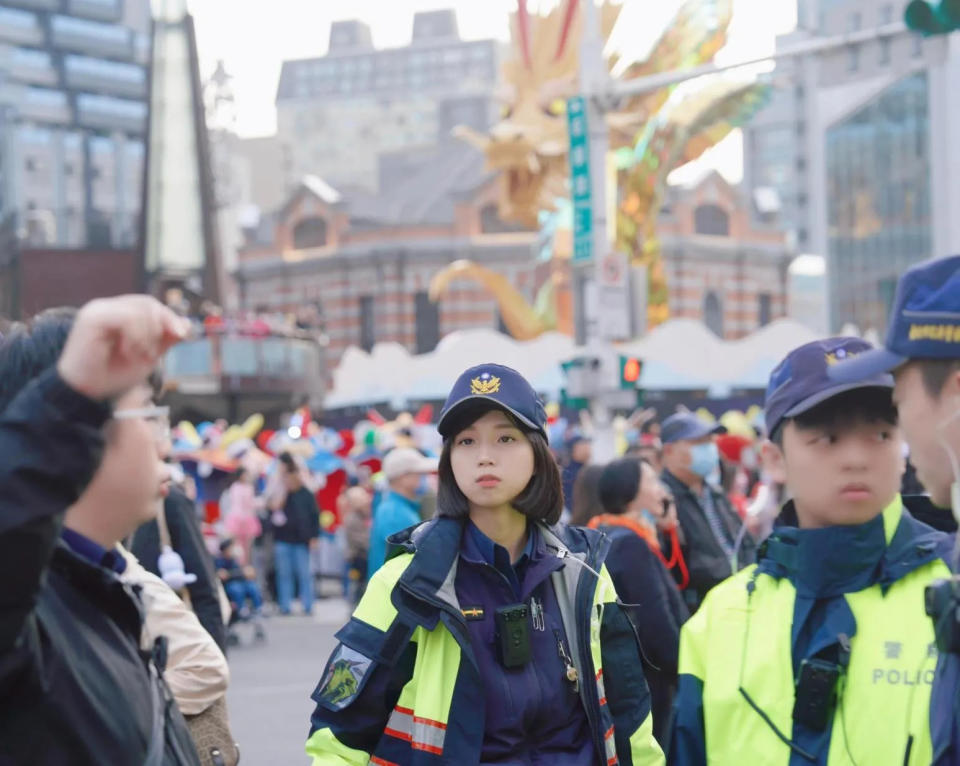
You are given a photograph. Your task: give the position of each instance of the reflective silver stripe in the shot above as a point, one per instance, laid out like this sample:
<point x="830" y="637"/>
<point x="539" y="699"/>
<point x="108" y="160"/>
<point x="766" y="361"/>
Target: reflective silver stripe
<point x="400" y="724"/>
<point x="610" y="745"/>
<point x="421" y="733"/>
<point x="428" y="735"/>
<point x="601" y="691"/>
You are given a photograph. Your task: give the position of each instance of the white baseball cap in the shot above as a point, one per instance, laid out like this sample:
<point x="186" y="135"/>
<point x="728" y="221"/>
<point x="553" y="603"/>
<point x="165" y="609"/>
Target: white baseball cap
<point x="404" y="460"/>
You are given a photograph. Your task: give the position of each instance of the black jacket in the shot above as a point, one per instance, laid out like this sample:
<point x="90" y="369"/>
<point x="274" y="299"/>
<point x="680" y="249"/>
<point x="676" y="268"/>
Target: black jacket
<point x="650" y="594"/>
<point x="74" y="686"/>
<point x="186" y="538"/>
<point x="706" y="561"/>
<point x="303" y="518"/>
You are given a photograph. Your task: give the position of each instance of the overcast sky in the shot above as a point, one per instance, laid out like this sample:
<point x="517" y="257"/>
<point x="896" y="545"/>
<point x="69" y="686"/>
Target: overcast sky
<point x="253" y="37"/>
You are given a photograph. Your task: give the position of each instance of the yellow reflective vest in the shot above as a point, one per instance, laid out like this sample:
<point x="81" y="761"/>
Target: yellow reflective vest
<point x="742" y="652"/>
<point x="400" y="688"/>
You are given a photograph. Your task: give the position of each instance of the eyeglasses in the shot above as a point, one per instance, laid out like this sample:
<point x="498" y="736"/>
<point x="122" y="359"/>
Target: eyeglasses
<point x="157" y="417"/>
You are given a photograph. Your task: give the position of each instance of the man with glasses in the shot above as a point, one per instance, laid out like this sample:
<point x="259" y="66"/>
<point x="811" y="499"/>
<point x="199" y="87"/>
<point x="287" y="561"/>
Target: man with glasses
<point x="186" y="539"/>
<point x="74" y="686"/>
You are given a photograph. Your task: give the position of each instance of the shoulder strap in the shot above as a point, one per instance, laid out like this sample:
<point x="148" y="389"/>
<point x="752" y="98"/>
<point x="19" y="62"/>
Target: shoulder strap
<point x="155" y="750"/>
<point x="162" y="527"/>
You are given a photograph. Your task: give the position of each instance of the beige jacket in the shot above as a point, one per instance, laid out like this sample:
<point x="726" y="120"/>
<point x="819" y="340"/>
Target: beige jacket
<point x="197" y="671"/>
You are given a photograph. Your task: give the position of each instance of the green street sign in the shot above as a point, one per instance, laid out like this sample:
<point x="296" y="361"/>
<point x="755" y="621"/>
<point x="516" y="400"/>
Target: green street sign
<point x="580" y="179"/>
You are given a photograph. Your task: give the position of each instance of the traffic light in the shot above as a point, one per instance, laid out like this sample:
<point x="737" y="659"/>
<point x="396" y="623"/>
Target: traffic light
<point x="630" y="369"/>
<point x="932" y="17"/>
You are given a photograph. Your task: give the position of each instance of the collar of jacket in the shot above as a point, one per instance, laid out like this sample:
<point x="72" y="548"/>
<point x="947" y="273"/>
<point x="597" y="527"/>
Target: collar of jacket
<point x="431" y="575"/>
<point x="844" y="559"/>
<point x="120" y="601"/>
<point x="677" y="487"/>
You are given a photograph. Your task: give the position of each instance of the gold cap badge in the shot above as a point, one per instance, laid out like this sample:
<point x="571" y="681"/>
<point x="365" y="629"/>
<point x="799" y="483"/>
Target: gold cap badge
<point x="484" y="385"/>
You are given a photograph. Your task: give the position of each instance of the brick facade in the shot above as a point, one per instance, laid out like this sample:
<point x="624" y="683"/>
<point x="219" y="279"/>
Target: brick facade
<point x="390" y="264"/>
<point x="712" y="253"/>
<point x="353" y="263"/>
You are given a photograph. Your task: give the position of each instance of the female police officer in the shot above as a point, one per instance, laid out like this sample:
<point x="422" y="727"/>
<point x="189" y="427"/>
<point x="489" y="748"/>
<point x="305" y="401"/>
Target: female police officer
<point x="485" y="637"/>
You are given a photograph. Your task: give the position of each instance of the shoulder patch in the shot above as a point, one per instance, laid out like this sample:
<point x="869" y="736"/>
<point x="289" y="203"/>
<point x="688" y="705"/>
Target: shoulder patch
<point x="343" y="678"/>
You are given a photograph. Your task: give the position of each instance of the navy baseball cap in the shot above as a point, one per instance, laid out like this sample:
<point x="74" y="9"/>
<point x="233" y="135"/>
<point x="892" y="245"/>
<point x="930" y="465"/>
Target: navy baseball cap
<point x="924" y="323"/>
<point x="685" y="426"/>
<point x="500" y="386"/>
<point x="802" y="380"/>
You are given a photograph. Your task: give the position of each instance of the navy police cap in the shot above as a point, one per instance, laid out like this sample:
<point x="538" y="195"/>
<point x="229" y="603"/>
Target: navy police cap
<point x="686" y="426"/>
<point x="500" y="386"/>
<point x="924" y="323"/>
<point x="803" y="380"/>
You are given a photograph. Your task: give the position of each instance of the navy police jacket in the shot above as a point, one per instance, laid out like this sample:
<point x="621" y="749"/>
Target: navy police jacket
<point x="415" y="679"/>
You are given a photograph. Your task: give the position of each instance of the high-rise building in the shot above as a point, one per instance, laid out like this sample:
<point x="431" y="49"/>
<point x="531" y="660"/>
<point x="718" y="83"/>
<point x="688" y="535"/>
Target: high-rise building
<point x="774" y="168"/>
<point x="872" y="155"/>
<point x="73" y="88"/>
<point x="337" y="113"/>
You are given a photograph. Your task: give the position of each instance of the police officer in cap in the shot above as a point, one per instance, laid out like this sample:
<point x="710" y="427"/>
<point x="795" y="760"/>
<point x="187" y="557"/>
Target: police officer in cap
<point x="922" y="349"/>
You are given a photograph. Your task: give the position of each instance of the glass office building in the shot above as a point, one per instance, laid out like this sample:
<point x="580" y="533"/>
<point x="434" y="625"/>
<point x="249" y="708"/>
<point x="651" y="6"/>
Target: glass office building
<point x="879" y="201"/>
<point x="73" y="87"/>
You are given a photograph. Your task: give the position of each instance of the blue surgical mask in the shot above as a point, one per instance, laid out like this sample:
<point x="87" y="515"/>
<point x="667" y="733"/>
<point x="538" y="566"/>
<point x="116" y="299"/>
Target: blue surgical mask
<point x="648" y="517"/>
<point x="704" y="459"/>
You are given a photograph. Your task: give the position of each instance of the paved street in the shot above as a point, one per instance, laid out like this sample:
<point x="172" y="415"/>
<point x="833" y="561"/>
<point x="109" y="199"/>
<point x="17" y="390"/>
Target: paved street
<point x="271" y="684"/>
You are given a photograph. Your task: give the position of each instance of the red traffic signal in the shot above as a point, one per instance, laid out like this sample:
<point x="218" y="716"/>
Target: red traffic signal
<point x="630" y="369"/>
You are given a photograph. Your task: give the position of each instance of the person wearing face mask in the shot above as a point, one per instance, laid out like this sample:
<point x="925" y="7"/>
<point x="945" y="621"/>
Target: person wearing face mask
<point x="713" y="542"/>
<point x="922" y="350"/>
<point x="636" y="506"/>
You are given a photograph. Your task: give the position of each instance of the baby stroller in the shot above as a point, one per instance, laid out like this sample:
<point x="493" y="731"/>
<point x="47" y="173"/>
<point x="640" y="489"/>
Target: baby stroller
<point x="246" y="602"/>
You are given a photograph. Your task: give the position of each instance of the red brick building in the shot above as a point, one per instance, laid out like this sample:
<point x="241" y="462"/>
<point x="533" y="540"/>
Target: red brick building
<point x="720" y="269"/>
<point x="364" y="262"/>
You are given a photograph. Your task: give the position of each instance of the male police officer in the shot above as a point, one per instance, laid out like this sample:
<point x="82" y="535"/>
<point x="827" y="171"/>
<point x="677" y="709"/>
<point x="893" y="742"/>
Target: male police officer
<point x="797" y="659"/>
<point x="922" y="349"/>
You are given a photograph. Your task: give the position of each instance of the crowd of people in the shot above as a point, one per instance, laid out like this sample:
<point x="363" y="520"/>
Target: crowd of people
<point x="704" y="598"/>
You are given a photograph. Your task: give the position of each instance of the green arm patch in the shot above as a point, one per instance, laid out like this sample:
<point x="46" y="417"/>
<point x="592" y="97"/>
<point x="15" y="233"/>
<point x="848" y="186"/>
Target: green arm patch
<point x="343" y="678"/>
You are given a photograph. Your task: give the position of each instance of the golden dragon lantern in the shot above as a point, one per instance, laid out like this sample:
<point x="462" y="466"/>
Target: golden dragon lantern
<point x="651" y="135"/>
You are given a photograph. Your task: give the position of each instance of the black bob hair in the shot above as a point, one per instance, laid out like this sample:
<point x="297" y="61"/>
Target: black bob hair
<point x="845" y="410"/>
<point x="541" y="499"/>
<point x="31" y="348"/>
<point x="619" y="484"/>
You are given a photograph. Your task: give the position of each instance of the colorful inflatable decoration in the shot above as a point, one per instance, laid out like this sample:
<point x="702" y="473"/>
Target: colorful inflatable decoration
<point x="211" y="453"/>
<point x="650" y="136"/>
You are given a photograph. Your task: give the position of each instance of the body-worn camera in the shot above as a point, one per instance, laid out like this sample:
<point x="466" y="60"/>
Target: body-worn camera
<point x="513" y="635"/>
<point x="942" y="602"/>
<point x="816" y="693"/>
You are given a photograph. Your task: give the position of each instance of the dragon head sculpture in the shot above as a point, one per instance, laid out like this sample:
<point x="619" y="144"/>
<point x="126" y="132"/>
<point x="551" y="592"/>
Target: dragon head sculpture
<point x="657" y="132"/>
<point x="529" y="144"/>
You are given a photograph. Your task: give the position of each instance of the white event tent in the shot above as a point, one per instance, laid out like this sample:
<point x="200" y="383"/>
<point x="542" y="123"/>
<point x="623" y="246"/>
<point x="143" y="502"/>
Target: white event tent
<point x="681" y="354"/>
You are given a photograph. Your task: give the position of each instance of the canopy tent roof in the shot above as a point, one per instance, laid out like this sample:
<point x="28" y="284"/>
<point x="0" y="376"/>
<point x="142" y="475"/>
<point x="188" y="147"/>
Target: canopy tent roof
<point x="681" y="354"/>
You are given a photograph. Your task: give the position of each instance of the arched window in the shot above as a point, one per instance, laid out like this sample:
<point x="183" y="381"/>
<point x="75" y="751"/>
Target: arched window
<point x="711" y="219"/>
<point x="491" y="223"/>
<point x="310" y="232"/>
<point x="713" y="313"/>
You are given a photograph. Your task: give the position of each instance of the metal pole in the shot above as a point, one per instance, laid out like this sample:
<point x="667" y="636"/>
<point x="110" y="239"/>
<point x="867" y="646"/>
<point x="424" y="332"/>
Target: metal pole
<point x="819" y="45"/>
<point x="595" y="81"/>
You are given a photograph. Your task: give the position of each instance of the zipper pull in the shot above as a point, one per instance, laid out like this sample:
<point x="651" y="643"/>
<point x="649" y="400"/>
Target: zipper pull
<point x="571" y="671"/>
